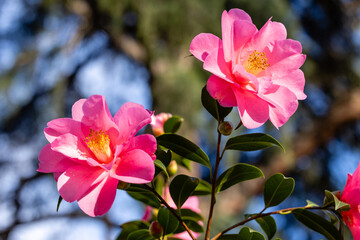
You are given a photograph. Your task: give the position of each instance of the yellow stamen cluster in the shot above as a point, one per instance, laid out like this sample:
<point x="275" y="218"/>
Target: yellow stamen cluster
<point x="99" y="143"/>
<point x="256" y="62"/>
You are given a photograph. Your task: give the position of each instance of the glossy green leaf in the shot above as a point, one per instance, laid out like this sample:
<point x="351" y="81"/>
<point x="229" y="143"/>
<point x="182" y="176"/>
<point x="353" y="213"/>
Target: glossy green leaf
<point x="213" y="106"/>
<point x="181" y="187"/>
<point x="164" y="156"/>
<point x="160" y="167"/>
<point x="268" y="225"/>
<point x="58" y="204"/>
<point x="130" y="227"/>
<point x="204" y="188"/>
<point x="331" y="199"/>
<point x="188" y="214"/>
<point x="142" y="234"/>
<point x="277" y="188"/>
<point x="228" y="237"/>
<point x="173" y="124"/>
<point x="142" y="194"/>
<point x="317" y="223"/>
<point x="249" y="234"/>
<point x="252" y="142"/>
<point x="167" y="220"/>
<point x="236" y="174"/>
<point x="192" y="225"/>
<point x="184" y="148"/>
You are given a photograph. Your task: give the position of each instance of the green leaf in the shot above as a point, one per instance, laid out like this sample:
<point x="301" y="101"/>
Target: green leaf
<point x="167" y="220"/>
<point x="277" y="188"/>
<point x="142" y="234"/>
<point x="331" y="199"/>
<point x="142" y="194"/>
<point x="228" y="237"/>
<point x="252" y="142"/>
<point x="181" y="187"/>
<point x="268" y="225"/>
<point x="317" y="223"/>
<point x="236" y="174"/>
<point x="184" y="148"/>
<point x="213" y="106"/>
<point x="58" y="204"/>
<point x="173" y="124"/>
<point x="130" y="227"/>
<point x="188" y="214"/>
<point x="192" y="225"/>
<point x="204" y="188"/>
<point x="164" y="156"/>
<point x="160" y="167"/>
<point x="249" y="234"/>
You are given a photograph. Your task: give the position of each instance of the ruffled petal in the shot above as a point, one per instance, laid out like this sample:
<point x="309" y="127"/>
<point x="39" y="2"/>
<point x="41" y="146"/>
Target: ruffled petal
<point x="221" y="90"/>
<point x="215" y="63"/>
<point x="130" y="118"/>
<point x="227" y="20"/>
<point x="253" y="110"/>
<point x="294" y="81"/>
<point x="77" y="111"/>
<point x="135" y="166"/>
<point x="99" y="200"/>
<point x="203" y="44"/>
<point x="62" y="126"/>
<point x="145" y="142"/>
<point x="242" y="33"/>
<point x="51" y="161"/>
<point x="78" y="180"/>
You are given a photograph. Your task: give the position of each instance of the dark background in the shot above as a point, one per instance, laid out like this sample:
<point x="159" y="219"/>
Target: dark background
<point x="54" y="52"/>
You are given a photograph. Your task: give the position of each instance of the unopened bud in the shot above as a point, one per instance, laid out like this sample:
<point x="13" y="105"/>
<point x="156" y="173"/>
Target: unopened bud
<point x="156" y="229"/>
<point x="123" y="185"/>
<point x="172" y="168"/>
<point x="225" y="128"/>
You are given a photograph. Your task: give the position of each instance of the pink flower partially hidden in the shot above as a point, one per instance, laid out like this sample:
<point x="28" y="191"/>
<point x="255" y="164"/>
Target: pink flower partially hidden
<point x="90" y="152"/>
<point x="351" y="195"/>
<point x="255" y="70"/>
<point x="158" y="121"/>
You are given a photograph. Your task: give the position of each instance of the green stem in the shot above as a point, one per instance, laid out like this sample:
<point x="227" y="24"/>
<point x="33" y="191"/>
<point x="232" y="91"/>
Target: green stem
<point x="259" y="215"/>
<point x="213" y="187"/>
<point x="171" y="210"/>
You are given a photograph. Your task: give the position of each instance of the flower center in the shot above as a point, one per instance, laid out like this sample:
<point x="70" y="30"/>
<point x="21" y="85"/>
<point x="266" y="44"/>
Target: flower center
<point x="256" y="63"/>
<point x="99" y="143"/>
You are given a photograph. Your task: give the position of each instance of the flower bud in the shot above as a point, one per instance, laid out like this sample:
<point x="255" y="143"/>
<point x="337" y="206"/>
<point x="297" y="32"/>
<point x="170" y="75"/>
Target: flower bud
<point x="225" y="128"/>
<point x="172" y="168"/>
<point x="123" y="185"/>
<point x="156" y="229"/>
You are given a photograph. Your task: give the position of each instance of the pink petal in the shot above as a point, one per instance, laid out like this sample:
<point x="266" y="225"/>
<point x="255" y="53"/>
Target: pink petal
<point x="192" y="203"/>
<point x="283" y="104"/>
<point x="244" y="79"/>
<point x="100" y="199"/>
<point x="145" y="142"/>
<point x="51" y="161"/>
<point x="78" y="180"/>
<point x="221" y="90"/>
<point x="215" y="63"/>
<point x="269" y="33"/>
<point x="185" y="235"/>
<point x="294" y="81"/>
<point x="62" y="126"/>
<point x="135" y="166"/>
<point x="227" y="20"/>
<point x="242" y="33"/>
<point x="77" y="111"/>
<point x="203" y="44"/>
<point x="253" y="111"/>
<point x="130" y="118"/>
<point x="72" y="147"/>
<point x="96" y="114"/>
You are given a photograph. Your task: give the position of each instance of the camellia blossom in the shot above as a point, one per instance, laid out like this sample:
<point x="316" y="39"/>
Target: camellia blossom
<point x="191" y="203"/>
<point x="90" y="152"/>
<point x="255" y="70"/>
<point x="158" y="121"/>
<point x="351" y="196"/>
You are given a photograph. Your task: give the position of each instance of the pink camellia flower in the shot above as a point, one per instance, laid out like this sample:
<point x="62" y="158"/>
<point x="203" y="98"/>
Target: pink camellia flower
<point x="191" y="203"/>
<point x="351" y="196"/>
<point x="90" y="152"/>
<point x="255" y="70"/>
<point x="158" y="121"/>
